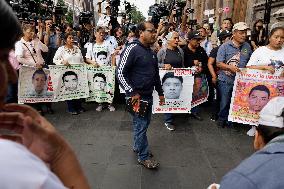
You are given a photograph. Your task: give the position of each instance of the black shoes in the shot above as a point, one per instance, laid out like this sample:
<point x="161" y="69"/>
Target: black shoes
<point x="196" y="116"/>
<point x="49" y="111"/>
<point x="214" y="117"/>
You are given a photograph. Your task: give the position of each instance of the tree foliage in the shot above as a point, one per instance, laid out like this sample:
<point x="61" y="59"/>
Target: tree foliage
<point x="136" y="15"/>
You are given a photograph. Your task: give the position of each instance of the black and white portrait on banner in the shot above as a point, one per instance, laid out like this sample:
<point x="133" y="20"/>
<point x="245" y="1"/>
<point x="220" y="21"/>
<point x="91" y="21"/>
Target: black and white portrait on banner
<point x="35" y="85"/>
<point x="177" y="85"/>
<point x="101" y="84"/>
<point x="70" y="82"/>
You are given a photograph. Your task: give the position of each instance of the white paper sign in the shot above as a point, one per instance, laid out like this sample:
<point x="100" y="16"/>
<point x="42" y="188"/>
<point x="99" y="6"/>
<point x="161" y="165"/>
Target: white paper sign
<point x="69" y="82"/>
<point x="177" y="85"/>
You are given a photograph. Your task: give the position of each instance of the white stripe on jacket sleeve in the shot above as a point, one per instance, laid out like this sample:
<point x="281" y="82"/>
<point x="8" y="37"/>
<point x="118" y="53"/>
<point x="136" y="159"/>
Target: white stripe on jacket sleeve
<point x="121" y="66"/>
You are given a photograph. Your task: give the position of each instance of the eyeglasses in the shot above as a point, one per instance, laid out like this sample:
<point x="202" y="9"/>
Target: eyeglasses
<point x="151" y="31"/>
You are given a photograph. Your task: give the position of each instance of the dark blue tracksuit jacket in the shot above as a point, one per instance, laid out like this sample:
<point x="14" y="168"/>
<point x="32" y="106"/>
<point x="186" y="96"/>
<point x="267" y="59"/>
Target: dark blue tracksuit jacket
<point x="138" y="71"/>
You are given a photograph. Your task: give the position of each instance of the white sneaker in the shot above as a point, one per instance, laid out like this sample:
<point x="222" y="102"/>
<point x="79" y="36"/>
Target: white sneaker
<point x="111" y="108"/>
<point x="99" y="108"/>
<point x="170" y="126"/>
<point x="251" y="132"/>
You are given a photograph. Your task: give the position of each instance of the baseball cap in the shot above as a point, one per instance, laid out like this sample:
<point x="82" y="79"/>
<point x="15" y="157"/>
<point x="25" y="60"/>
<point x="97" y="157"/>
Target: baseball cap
<point x="272" y="113"/>
<point x="240" y="26"/>
<point x="194" y="35"/>
<point x="224" y="34"/>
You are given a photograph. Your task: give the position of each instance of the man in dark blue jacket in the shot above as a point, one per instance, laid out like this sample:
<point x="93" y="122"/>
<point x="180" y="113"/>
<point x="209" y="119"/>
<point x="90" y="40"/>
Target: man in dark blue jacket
<point x="138" y="74"/>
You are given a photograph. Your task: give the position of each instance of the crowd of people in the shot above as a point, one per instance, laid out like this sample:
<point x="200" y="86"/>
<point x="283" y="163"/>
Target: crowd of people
<point x="137" y="52"/>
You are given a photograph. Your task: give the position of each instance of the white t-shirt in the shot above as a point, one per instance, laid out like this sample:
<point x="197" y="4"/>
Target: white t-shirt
<point x="73" y="56"/>
<point x="111" y="41"/>
<point x="264" y="56"/>
<point x="100" y="53"/>
<point x="22" y="169"/>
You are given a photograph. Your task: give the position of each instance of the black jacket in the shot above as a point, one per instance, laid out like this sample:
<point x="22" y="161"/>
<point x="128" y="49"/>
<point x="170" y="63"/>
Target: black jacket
<point x="138" y="71"/>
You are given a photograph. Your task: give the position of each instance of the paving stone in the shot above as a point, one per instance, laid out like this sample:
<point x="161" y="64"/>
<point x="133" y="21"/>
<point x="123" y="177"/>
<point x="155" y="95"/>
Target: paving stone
<point x="197" y="154"/>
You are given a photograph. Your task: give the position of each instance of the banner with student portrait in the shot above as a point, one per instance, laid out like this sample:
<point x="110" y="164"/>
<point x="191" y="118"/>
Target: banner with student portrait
<point x="252" y="91"/>
<point x="101" y="83"/>
<point x="177" y="85"/>
<point x="34" y="85"/>
<point x="69" y="82"/>
<point x="200" y="90"/>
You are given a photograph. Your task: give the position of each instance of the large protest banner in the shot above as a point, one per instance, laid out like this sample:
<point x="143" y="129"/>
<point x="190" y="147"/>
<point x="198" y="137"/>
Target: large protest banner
<point x="69" y="82"/>
<point x="252" y="91"/>
<point x="34" y="85"/>
<point x="177" y="85"/>
<point x="200" y="90"/>
<point x="101" y="83"/>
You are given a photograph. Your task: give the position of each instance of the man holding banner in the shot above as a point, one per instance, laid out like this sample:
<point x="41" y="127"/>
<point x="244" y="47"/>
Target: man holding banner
<point x="138" y="74"/>
<point x="231" y="56"/>
<point x="195" y="57"/>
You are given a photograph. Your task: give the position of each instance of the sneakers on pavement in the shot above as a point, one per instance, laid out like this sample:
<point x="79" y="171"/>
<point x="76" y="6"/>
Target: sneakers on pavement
<point x="74" y="113"/>
<point x="196" y="116"/>
<point x="111" y="108"/>
<point x="149" y="163"/>
<point x="214" y="117"/>
<point x="251" y="132"/>
<point x="99" y="108"/>
<point x="221" y="124"/>
<point x="170" y="126"/>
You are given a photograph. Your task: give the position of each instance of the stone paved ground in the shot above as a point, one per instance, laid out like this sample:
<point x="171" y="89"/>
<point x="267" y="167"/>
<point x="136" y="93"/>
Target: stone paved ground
<point x="192" y="157"/>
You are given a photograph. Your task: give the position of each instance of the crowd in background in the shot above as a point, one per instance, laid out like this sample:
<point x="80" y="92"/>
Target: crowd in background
<point x="178" y="45"/>
<point x="217" y="54"/>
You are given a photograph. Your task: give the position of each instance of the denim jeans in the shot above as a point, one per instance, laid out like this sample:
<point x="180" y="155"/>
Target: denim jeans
<point x="168" y="118"/>
<point x="216" y="103"/>
<point x="195" y="110"/>
<point x="74" y="105"/>
<point x="140" y="126"/>
<point x="225" y="90"/>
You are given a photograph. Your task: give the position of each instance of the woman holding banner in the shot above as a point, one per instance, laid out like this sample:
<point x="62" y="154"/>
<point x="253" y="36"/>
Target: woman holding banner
<point x="28" y="52"/>
<point x="101" y="54"/>
<point x="269" y="57"/>
<point x="170" y="57"/>
<point x="67" y="55"/>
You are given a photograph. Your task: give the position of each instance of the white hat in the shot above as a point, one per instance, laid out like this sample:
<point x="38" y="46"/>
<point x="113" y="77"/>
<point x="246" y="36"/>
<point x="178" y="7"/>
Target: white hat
<point x="240" y="26"/>
<point x="271" y="114"/>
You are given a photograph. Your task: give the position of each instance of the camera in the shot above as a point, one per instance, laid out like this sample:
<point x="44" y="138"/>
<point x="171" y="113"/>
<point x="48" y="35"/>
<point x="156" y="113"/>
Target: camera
<point x="85" y="17"/>
<point x="157" y="11"/>
<point x="25" y="8"/>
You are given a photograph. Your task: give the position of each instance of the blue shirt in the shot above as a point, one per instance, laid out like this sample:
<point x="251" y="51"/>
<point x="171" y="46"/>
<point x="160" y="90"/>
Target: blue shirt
<point x="262" y="170"/>
<point x="228" y="53"/>
<point x="52" y="40"/>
